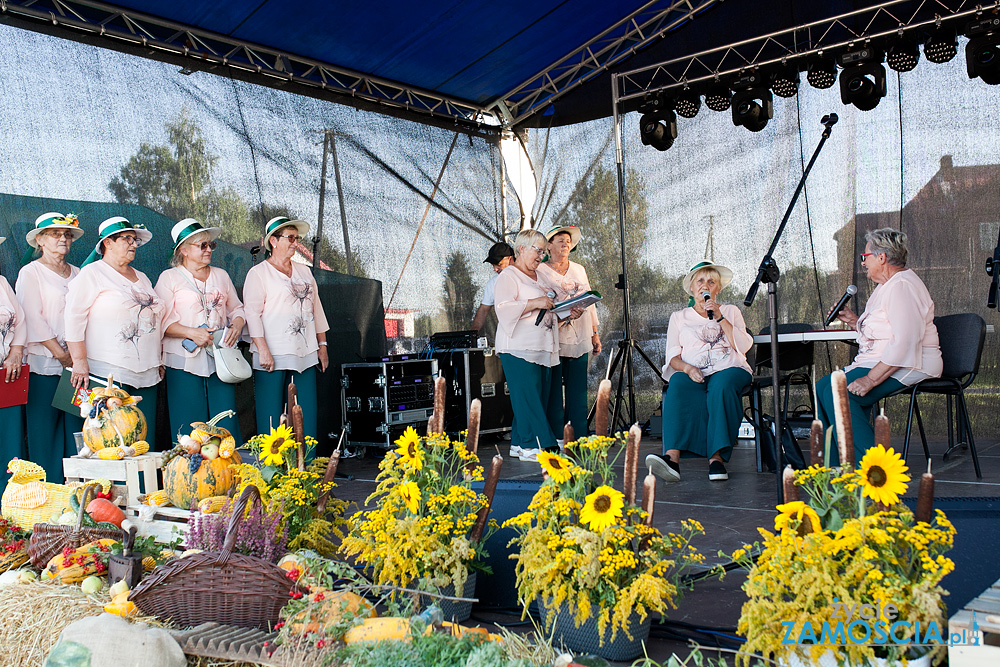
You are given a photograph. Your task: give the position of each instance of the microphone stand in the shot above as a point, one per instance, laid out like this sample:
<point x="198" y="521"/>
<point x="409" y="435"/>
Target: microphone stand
<point x="993" y="269"/>
<point x="768" y="272"/>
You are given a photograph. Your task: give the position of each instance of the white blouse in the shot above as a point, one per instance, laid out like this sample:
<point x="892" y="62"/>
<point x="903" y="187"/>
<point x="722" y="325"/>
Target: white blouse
<point x="42" y="293"/>
<point x="702" y="342"/>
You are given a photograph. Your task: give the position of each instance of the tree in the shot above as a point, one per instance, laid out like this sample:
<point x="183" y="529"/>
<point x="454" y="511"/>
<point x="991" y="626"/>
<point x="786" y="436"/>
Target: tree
<point x="459" y="292"/>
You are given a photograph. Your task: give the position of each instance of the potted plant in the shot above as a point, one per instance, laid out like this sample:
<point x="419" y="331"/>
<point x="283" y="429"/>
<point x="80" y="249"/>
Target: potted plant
<point x="849" y="575"/>
<point x="590" y="558"/>
<point x="420" y="530"/>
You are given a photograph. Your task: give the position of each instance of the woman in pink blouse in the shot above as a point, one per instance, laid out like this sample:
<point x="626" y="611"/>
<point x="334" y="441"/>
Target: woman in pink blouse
<point x="287" y="326"/>
<point x="198" y="299"/>
<point x="113" y="318"/>
<point x="897" y="340"/>
<point x="41" y="288"/>
<point x="707" y="371"/>
<point x="578" y="337"/>
<point x="13" y="335"/>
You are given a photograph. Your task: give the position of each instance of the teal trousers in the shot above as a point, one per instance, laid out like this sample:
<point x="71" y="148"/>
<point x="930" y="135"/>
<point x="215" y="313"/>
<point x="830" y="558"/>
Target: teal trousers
<point x="11" y="438"/>
<point x="192" y="398"/>
<point x="530" y="387"/>
<point x="50" y="438"/>
<point x="271" y="393"/>
<point x="702" y="418"/>
<point x="861" y="411"/>
<point x="571" y="390"/>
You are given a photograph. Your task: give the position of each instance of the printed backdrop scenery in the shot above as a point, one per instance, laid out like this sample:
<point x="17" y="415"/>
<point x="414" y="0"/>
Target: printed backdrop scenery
<point x="98" y="127"/>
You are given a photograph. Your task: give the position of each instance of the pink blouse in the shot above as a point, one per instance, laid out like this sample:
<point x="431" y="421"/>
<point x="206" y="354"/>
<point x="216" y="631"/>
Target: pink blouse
<point x="575" y="336"/>
<point x="13" y="330"/>
<point x="286" y="313"/>
<point x="703" y="343"/>
<point x="516" y="331"/>
<point x="120" y="322"/>
<point x="42" y="293"/>
<point x="192" y="303"/>
<point x="897" y="328"/>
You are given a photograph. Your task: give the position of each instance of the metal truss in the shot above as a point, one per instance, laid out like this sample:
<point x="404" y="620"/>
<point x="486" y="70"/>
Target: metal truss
<point x="607" y="49"/>
<point x="202" y="50"/>
<point x="795" y="45"/>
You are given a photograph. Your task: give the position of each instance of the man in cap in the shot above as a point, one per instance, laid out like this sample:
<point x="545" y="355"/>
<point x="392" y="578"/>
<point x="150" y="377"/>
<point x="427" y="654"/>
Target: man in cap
<point x="500" y="255"/>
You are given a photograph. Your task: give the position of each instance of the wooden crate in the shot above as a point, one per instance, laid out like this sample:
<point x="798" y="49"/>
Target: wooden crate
<point x="985" y="609"/>
<point x="138" y="474"/>
<point x="167" y="523"/>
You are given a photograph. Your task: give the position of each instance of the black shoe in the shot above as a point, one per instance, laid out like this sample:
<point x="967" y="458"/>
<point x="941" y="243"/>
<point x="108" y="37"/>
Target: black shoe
<point x="665" y="469"/>
<point x="717" y="471"/>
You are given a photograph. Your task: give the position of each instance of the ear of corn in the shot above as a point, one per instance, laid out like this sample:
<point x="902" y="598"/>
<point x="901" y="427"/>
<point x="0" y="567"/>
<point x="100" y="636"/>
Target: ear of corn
<point x="212" y="504"/>
<point x="156" y="498"/>
<point x="140" y="447"/>
<point x="110" y="453"/>
<point x="148" y="563"/>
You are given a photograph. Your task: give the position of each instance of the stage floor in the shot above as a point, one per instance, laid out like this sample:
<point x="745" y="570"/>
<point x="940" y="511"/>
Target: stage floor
<point x="729" y="511"/>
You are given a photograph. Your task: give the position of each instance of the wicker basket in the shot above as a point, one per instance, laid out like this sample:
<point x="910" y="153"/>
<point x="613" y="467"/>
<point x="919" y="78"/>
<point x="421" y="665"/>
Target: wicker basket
<point x="47" y="539"/>
<point x="218" y="586"/>
<point x="12" y="560"/>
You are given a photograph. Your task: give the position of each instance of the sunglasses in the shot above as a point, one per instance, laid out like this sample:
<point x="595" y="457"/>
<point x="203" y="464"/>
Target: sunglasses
<point x="205" y="245"/>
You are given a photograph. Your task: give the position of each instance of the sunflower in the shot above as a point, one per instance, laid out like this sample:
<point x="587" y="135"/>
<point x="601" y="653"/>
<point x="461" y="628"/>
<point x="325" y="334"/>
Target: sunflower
<point x="279" y="440"/>
<point x="807" y="521"/>
<point x="883" y="475"/>
<point x="555" y="466"/>
<point x="410" y="493"/>
<point x="602" y="508"/>
<point x="409" y="448"/>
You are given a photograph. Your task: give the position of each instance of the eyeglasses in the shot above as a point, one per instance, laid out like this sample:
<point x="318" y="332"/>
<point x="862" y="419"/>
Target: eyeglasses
<point x="205" y="245"/>
<point x="291" y="239"/>
<point x="867" y="254"/>
<point x="60" y="234"/>
<point x="540" y="251"/>
<point x="129" y="240"/>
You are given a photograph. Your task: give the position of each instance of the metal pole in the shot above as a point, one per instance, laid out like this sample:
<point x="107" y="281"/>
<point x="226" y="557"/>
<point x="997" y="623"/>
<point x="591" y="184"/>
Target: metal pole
<point x="322" y="201"/>
<point x="340" y="198"/>
<point x="503" y="191"/>
<point x="620" y="162"/>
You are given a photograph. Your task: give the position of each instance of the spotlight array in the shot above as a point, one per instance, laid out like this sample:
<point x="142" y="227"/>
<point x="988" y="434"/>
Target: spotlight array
<point x="687" y="104"/>
<point x="941" y="46"/>
<point x="903" y="55"/>
<point x="785" y="82"/>
<point x="717" y="98"/>
<point x="822" y="74"/>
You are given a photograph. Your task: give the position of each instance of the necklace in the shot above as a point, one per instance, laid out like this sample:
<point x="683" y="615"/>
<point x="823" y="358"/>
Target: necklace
<point x="62" y="268"/>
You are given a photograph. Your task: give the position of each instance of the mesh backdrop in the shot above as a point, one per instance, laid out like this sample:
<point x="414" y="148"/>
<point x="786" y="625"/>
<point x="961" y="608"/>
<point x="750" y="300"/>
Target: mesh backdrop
<point x="90" y="130"/>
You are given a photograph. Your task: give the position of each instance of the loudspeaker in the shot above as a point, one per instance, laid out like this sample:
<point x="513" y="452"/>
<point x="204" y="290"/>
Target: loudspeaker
<point x="511" y="498"/>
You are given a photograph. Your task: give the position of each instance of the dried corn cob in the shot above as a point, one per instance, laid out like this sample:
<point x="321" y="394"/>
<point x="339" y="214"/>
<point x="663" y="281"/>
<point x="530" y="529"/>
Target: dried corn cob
<point x="212" y="504"/>
<point x="111" y="454"/>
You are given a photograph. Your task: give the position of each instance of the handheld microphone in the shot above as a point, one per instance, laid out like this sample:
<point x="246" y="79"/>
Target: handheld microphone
<point x="542" y="311"/>
<point x="851" y="291"/>
<point x="708" y="295"/>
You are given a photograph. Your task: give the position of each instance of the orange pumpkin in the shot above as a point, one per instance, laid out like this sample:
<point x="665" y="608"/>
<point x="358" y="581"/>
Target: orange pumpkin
<point x="214" y="477"/>
<point x="102" y="509"/>
<point x="116" y="421"/>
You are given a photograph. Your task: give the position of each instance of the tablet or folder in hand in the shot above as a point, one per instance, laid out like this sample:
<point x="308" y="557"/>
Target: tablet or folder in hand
<point x="579" y="301"/>
<point x="16" y="392"/>
<point x="69" y="399"/>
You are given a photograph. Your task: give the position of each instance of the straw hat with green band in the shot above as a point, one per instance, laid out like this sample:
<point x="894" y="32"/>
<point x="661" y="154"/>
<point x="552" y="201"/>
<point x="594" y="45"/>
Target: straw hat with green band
<point x="725" y="277"/>
<point x="49" y="221"/>
<point x="280" y="222"/>
<point x="188" y="227"/>
<point x="113" y="226"/>
<point x="572" y="230"/>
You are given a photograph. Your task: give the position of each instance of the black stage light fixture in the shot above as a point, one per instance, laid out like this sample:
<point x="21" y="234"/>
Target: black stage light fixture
<point x="717" y="98"/>
<point x="752" y="108"/>
<point x="785" y="82"/>
<point x="982" y="53"/>
<point x="862" y="82"/>
<point x="941" y="46"/>
<point x="903" y="55"/>
<point x="658" y="124"/>
<point x="687" y="104"/>
<point x="821" y="74"/>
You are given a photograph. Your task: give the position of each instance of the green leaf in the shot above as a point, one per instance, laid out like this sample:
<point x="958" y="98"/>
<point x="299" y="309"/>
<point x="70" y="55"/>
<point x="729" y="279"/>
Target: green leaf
<point x="835" y="522"/>
<point x="268" y="473"/>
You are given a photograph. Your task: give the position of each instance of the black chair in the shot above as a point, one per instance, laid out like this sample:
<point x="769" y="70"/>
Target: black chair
<point x="962" y="337"/>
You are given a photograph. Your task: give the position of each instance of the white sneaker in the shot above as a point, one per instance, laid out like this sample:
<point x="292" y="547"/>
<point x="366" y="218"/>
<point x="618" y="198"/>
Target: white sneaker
<point x="528" y="455"/>
<point x="515" y="451"/>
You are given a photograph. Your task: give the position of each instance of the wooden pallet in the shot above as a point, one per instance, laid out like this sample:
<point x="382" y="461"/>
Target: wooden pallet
<point x="137" y="474"/>
<point x="985" y="609"/>
<point x="167" y="524"/>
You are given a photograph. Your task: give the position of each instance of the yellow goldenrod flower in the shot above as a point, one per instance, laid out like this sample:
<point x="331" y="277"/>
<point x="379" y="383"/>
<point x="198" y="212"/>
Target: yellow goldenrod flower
<point x="555" y="466"/>
<point x="602" y="508"/>
<point x="883" y="475"/>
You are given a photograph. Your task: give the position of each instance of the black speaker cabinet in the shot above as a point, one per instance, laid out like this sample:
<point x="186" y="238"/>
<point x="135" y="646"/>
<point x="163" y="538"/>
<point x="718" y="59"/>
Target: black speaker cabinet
<point x="475" y="373"/>
<point x="380" y="399"/>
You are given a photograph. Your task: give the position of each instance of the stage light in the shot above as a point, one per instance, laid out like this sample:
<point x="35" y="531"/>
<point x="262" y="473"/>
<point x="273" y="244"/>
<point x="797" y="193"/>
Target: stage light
<point x="822" y="74"/>
<point x="752" y="108"/>
<point x="941" y="46"/>
<point x="862" y="82"/>
<point x="717" y="98"/>
<point x="982" y="54"/>
<point x="903" y="55"/>
<point x="658" y="129"/>
<point x="785" y="82"/>
<point x="687" y="104"/>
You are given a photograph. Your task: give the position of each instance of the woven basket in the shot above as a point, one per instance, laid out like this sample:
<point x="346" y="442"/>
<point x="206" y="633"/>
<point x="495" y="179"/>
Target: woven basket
<point x="218" y="586"/>
<point x="47" y="539"/>
<point x="12" y="560"/>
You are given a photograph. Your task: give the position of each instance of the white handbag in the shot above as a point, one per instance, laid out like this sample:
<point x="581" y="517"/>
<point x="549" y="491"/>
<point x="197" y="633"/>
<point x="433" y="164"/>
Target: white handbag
<point x="230" y="364"/>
